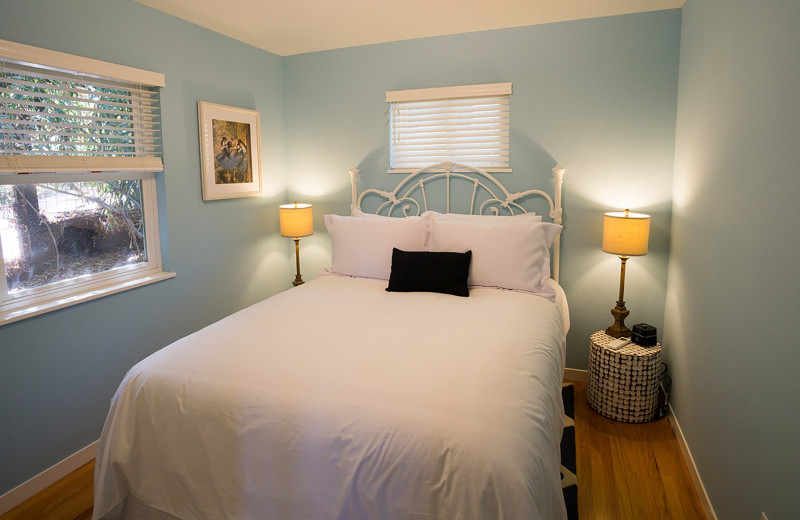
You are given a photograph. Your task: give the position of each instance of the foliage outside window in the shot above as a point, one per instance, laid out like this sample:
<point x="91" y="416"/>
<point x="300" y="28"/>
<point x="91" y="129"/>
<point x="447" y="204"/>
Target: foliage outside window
<point x="78" y="156"/>
<point x="60" y="231"/>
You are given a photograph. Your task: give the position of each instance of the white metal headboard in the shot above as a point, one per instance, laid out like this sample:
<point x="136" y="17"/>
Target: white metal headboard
<point x="486" y="189"/>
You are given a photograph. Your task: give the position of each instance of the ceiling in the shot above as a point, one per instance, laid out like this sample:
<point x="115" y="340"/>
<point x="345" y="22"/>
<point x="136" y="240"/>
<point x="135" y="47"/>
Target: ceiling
<point x="287" y="27"/>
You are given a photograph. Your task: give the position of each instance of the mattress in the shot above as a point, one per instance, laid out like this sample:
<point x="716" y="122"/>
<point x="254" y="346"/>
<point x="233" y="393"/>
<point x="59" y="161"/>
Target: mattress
<point x="339" y="400"/>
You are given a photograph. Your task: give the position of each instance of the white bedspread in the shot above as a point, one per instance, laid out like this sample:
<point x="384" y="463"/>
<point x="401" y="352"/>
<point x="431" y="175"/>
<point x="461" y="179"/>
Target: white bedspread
<point x="338" y="400"/>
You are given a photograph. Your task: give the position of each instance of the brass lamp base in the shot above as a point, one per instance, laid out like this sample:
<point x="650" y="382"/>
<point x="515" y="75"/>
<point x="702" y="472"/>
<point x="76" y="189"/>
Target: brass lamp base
<point x="297" y="279"/>
<point x="618" y="329"/>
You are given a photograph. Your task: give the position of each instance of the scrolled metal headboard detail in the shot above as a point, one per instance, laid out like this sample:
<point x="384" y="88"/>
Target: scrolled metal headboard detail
<point x="488" y="194"/>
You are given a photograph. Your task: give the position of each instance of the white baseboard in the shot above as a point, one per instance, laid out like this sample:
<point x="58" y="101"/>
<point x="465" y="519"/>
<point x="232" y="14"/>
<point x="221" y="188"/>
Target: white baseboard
<point x="46" y="478"/>
<point x="574" y="374"/>
<point x="687" y="457"/>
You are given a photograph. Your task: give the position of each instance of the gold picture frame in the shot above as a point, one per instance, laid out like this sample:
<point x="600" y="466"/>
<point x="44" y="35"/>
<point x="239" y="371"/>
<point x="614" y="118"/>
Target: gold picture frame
<point x="230" y="151"/>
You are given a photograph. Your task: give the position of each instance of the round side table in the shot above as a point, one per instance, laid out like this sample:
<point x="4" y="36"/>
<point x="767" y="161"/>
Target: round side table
<point x="623" y="384"/>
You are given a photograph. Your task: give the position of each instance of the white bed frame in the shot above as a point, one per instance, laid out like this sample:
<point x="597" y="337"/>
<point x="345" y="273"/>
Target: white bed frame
<point x="486" y="190"/>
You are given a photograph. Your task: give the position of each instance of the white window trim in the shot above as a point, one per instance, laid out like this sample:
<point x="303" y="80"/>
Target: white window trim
<point x="63" y="294"/>
<point x="420" y="94"/>
<point x="78" y="164"/>
<point x="444" y="93"/>
<point x="60" y="61"/>
<point x="440" y="170"/>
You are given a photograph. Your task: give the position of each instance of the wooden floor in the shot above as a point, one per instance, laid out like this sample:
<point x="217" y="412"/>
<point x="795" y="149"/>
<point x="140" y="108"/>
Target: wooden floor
<point x="68" y="499"/>
<point x="630" y="471"/>
<point x="625" y="472"/>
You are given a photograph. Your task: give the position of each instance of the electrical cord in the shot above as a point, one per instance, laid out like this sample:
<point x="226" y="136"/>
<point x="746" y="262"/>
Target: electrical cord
<point x="664" y="385"/>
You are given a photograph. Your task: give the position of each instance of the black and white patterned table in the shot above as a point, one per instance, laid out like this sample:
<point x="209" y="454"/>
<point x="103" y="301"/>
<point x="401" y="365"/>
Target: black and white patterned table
<point x="623" y="384"/>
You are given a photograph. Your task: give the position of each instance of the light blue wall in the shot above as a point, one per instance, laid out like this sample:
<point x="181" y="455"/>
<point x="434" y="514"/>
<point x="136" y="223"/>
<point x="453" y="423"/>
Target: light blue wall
<point x="598" y="96"/>
<point x="59" y="371"/>
<point x="732" y="306"/>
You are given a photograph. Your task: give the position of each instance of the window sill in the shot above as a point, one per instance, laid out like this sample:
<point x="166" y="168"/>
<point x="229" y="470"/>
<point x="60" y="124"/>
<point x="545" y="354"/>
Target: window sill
<point x="439" y="170"/>
<point x="10" y="313"/>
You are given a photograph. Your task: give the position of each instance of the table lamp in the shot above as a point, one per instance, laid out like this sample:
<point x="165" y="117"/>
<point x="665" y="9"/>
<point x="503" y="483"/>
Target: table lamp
<point x="297" y="220"/>
<point x="625" y="234"/>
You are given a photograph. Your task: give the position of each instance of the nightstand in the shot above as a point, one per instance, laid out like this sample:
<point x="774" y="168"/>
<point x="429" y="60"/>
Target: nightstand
<point x="623" y="384"/>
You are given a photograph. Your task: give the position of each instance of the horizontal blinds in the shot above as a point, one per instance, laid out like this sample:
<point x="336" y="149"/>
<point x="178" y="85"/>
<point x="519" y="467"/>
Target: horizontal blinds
<point x="53" y="121"/>
<point x="471" y="130"/>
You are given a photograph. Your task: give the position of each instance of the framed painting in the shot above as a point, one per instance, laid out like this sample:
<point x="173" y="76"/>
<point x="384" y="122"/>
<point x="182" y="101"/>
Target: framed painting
<point x="230" y="149"/>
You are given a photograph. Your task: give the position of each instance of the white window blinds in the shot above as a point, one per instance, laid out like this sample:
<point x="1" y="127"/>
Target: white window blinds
<point x="59" y="121"/>
<point x="467" y="124"/>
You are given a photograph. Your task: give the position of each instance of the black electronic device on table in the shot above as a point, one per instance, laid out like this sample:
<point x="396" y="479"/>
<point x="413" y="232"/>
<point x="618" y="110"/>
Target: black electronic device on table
<point x="644" y="335"/>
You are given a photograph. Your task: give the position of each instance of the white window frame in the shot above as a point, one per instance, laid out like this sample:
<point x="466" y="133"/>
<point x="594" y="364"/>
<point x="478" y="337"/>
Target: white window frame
<point x="450" y="106"/>
<point x="29" y="170"/>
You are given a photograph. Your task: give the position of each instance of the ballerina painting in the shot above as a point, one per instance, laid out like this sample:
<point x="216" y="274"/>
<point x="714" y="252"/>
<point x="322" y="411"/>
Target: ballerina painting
<point x="232" y="164"/>
<point x="230" y="151"/>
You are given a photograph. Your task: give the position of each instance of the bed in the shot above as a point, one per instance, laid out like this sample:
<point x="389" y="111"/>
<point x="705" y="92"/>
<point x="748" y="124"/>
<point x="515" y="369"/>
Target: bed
<point x="340" y="399"/>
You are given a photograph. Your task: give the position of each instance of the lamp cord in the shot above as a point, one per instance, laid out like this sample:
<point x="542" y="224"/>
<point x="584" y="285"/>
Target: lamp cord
<point x="664" y="385"/>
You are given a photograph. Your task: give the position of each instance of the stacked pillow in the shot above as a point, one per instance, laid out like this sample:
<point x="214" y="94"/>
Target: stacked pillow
<point x="362" y="246"/>
<point x="510" y="252"/>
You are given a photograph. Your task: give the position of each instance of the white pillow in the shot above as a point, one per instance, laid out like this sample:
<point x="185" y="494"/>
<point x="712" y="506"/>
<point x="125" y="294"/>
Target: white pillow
<point x="508" y="254"/>
<point x="530" y="217"/>
<point x="363" y="246"/>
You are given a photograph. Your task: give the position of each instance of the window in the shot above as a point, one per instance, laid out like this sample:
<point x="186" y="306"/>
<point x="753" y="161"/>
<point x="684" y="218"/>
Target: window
<point x="79" y="149"/>
<point x="466" y="124"/>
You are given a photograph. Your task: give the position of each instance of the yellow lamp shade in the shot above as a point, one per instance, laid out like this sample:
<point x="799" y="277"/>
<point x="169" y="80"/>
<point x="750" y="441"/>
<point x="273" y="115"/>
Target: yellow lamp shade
<point x="297" y="220"/>
<point x="626" y="233"/>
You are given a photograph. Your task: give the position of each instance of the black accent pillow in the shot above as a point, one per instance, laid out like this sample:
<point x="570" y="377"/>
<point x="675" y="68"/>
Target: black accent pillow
<point x="425" y="271"/>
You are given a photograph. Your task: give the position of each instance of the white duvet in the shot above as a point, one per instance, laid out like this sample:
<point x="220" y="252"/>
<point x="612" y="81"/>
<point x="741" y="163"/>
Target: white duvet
<point x="338" y="400"/>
